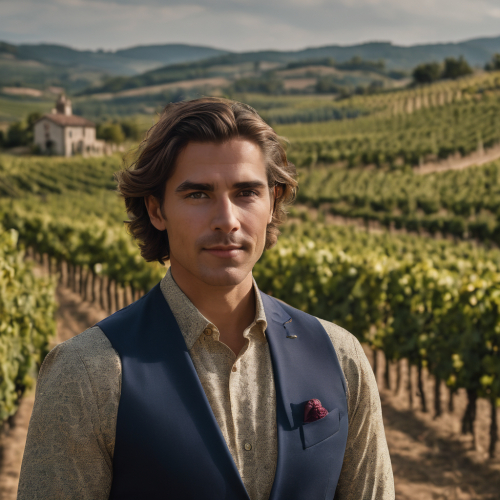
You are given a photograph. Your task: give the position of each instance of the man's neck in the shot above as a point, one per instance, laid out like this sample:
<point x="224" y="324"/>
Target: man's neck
<point x="230" y="308"/>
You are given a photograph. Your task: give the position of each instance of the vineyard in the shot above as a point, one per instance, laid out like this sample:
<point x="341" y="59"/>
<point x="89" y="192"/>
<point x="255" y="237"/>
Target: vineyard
<point x="431" y="302"/>
<point x="460" y="122"/>
<point x="289" y="109"/>
<point x="21" y="177"/>
<point x="27" y="325"/>
<point x="464" y="204"/>
<point x="434" y="303"/>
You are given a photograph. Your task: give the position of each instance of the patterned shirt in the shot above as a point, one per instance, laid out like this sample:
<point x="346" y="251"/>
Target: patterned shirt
<point x="70" y="444"/>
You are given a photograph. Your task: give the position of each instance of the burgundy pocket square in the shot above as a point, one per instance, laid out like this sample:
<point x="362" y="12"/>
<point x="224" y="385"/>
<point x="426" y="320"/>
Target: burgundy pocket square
<point x="314" y="411"/>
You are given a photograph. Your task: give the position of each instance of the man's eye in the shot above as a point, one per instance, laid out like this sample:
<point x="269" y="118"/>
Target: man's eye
<point x="195" y="196"/>
<point x="249" y="193"/>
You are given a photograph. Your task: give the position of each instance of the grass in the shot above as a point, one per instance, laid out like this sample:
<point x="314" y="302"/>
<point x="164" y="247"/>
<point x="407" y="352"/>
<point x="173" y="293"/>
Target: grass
<point x="16" y="109"/>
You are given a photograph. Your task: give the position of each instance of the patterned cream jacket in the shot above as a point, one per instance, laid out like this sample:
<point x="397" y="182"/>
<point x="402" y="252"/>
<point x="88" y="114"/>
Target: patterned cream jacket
<point x="69" y="450"/>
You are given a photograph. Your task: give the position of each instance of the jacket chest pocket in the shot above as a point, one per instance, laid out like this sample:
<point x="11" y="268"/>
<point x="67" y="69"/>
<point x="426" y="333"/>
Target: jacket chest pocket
<point x="319" y="430"/>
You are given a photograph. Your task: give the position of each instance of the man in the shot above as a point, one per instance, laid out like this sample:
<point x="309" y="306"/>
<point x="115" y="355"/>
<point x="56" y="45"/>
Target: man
<point x="207" y="387"/>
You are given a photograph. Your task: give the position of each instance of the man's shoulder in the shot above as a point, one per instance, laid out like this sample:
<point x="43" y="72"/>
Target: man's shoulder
<point x="345" y="343"/>
<point x="91" y="342"/>
<point x="90" y="350"/>
<point x="350" y="353"/>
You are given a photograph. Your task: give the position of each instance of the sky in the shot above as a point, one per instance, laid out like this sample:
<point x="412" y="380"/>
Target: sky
<point x="243" y="25"/>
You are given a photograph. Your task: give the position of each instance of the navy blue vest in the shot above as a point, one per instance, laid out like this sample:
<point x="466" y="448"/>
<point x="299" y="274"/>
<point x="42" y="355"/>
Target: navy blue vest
<point x="168" y="443"/>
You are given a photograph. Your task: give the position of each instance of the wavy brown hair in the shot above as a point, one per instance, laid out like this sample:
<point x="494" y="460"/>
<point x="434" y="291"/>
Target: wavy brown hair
<point x="207" y="119"/>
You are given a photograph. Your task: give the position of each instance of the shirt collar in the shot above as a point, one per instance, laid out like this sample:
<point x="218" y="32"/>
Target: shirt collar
<point x="191" y="322"/>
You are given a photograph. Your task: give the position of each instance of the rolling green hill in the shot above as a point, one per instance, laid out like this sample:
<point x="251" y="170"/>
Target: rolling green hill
<point x="43" y="65"/>
<point x="40" y="65"/>
<point x="121" y="62"/>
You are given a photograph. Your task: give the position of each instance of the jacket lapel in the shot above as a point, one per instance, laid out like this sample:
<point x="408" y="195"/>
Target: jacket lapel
<point x="166" y="429"/>
<point x="201" y="405"/>
<point x="279" y="327"/>
<point x="305" y="367"/>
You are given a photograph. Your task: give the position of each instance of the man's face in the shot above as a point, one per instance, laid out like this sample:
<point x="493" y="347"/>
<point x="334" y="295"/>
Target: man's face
<point x="216" y="208"/>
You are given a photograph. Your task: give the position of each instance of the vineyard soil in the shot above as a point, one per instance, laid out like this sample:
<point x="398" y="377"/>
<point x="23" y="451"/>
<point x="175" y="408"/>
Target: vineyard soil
<point x="430" y="460"/>
<point x="458" y="163"/>
<point x="371" y="226"/>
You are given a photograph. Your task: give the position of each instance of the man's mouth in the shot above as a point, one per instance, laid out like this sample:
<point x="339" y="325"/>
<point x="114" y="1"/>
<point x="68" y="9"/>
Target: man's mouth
<point x="225" y="251"/>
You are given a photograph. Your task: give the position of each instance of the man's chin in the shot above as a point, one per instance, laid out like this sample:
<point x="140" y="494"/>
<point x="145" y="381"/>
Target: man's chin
<point x="224" y="276"/>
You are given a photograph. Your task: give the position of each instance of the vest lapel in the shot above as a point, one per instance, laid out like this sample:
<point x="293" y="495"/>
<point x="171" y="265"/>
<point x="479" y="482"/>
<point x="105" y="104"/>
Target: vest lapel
<point x="305" y="367"/>
<point x="168" y="442"/>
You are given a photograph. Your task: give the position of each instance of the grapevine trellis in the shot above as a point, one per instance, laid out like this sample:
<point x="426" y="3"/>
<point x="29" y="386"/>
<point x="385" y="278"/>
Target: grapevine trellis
<point x="464" y="204"/>
<point x="395" y="141"/>
<point x="27" y="324"/>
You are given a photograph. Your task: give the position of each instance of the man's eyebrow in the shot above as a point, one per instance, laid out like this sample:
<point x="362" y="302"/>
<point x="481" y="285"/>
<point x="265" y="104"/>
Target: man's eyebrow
<point x="194" y="186"/>
<point x="249" y="185"/>
<point x="197" y="186"/>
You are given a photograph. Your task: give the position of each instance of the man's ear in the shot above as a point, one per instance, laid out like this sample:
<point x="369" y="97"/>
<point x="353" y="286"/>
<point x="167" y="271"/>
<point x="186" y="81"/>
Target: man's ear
<point x="154" y="211"/>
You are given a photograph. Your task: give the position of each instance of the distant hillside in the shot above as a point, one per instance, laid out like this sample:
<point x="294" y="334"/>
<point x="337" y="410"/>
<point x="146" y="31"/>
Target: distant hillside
<point x="261" y="64"/>
<point x="122" y="62"/>
<point x="42" y="65"/>
<point x="169" y="54"/>
<point x="477" y="52"/>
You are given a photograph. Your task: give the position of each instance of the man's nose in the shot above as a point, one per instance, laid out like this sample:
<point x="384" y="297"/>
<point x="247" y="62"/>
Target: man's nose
<point x="224" y="216"/>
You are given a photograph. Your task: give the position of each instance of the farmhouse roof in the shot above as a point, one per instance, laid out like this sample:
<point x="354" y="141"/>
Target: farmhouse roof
<point x="68" y="120"/>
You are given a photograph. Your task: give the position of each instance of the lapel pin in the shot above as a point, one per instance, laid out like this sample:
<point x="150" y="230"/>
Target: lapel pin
<point x="291" y="336"/>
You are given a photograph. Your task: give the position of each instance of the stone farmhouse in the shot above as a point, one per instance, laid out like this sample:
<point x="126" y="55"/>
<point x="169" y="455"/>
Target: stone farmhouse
<point x="62" y="133"/>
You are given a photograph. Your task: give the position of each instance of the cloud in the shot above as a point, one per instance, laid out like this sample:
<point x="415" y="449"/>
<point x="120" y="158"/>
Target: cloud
<point x="495" y="12"/>
<point x="245" y="24"/>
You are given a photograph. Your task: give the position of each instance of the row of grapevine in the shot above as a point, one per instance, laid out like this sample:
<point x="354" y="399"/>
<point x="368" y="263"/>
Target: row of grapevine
<point x="404" y="139"/>
<point x="463" y="203"/>
<point x="279" y="110"/>
<point x="27" y="323"/>
<point x="80" y="224"/>
<point x="439" y="313"/>
<point x="407" y="100"/>
<point x="93" y="245"/>
<point x="38" y="175"/>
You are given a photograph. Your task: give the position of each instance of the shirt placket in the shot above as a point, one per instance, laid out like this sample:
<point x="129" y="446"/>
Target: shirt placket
<point x="242" y="403"/>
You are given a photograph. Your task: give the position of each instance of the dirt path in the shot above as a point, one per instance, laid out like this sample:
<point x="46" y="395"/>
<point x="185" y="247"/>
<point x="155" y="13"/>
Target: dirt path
<point x="373" y="226"/>
<point x="458" y="163"/>
<point x="431" y="461"/>
<point x="73" y="317"/>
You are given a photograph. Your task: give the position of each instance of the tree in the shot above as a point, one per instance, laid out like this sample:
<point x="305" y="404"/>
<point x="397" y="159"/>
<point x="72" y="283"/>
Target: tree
<point x="32" y="119"/>
<point x="327" y="85"/>
<point x="17" y="135"/>
<point x="427" y="73"/>
<point x="110" y="132"/>
<point x="30" y="126"/>
<point x="267" y="84"/>
<point x="494" y="64"/>
<point x="131" y="130"/>
<point x="454" y="68"/>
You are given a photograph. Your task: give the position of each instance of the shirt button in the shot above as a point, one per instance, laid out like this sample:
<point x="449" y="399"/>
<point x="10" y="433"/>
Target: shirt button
<point x="208" y="331"/>
<point x="234" y="368"/>
<point x="248" y="446"/>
